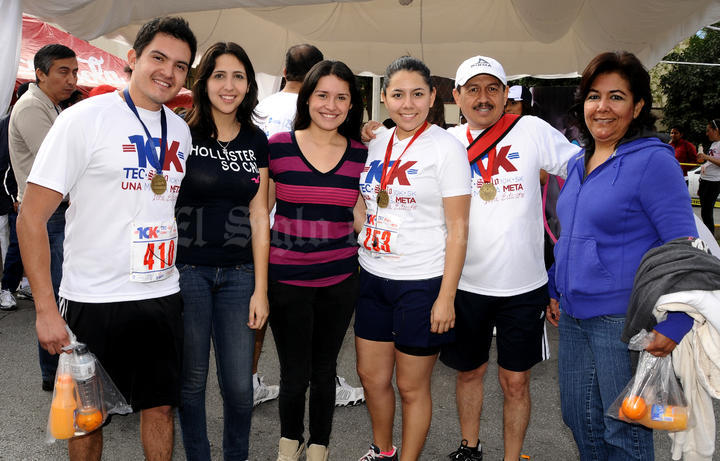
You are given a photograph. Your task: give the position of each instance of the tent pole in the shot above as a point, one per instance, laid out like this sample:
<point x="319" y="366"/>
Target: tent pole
<point x="375" y="112"/>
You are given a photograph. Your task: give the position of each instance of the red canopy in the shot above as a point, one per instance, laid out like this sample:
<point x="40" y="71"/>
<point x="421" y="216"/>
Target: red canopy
<point x="95" y="66"/>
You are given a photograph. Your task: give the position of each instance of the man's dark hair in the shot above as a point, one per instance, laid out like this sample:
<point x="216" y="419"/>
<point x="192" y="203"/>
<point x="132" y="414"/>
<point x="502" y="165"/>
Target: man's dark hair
<point x="170" y="25"/>
<point x="299" y="59"/>
<point x="48" y="54"/>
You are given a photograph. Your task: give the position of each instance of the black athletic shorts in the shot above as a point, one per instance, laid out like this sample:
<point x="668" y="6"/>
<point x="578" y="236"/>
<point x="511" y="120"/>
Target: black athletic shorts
<point x="520" y="323"/>
<point x="138" y="343"/>
<point x="399" y="311"/>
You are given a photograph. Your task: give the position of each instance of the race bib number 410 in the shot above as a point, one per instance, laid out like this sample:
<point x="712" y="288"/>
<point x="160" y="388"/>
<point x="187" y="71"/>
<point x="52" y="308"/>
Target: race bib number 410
<point x="152" y="250"/>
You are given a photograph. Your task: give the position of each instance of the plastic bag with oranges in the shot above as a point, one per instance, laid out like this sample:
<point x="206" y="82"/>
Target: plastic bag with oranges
<point x="653" y="397"/>
<point x="84" y="395"/>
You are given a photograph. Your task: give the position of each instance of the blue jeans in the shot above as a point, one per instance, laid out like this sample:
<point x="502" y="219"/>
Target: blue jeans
<point x="56" y="235"/>
<point x="594" y="367"/>
<point x="217" y="307"/>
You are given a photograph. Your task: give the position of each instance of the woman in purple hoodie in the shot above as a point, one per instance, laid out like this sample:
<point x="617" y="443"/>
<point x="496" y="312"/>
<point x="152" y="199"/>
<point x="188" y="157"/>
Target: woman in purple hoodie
<point x="624" y="195"/>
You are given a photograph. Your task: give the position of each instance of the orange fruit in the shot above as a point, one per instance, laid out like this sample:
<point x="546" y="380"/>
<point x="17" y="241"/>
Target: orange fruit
<point x="88" y="422"/>
<point x="634" y="407"/>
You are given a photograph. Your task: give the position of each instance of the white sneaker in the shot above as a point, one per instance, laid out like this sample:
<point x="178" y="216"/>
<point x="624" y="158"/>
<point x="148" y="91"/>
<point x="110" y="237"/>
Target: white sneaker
<point x="24" y="292"/>
<point x="346" y="395"/>
<point x="262" y="392"/>
<point x="7" y="301"/>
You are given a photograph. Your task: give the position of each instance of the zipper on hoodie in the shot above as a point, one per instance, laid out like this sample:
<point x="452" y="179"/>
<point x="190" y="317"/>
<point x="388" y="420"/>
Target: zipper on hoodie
<point x="583" y="180"/>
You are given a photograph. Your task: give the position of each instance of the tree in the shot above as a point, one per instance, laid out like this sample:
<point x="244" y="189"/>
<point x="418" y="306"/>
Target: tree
<point x="692" y="91"/>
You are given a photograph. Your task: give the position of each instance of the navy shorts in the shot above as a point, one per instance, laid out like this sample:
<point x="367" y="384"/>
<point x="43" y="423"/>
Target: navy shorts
<point x="138" y="343"/>
<point x="399" y="311"/>
<point x="520" y="322"/>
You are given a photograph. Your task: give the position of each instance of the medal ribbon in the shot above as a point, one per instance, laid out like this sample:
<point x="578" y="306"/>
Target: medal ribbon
<point x="386" y="175"/>
<point x="469" y="135"/>
<point x="156" y="162"/>
<point x="486" y="141"/>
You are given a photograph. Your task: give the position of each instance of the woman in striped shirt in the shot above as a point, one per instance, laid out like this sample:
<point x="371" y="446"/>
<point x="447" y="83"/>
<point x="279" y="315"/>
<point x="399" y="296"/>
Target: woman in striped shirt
<point x="315" y="171"/>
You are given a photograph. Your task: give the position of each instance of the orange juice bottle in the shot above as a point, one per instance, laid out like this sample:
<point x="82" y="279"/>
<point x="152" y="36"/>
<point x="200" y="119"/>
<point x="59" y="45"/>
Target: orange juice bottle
<point x="62" y="409"/>
<point x="666" y="418"/>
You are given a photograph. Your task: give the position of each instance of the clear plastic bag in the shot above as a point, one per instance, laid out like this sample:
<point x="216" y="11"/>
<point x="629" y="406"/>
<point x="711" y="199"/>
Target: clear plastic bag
<point x="653" y="397"/>
<point x="84" y="394"/>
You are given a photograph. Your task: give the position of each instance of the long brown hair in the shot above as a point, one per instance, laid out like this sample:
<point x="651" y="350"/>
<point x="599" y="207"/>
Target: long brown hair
<point x="200" y="118"/>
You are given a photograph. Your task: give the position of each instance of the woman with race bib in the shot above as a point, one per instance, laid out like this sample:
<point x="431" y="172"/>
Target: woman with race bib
<point x="412" y="248"/>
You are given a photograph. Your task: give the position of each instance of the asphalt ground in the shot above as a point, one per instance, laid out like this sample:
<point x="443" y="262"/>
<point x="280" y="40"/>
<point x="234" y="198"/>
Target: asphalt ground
<point x="24" y="410"/>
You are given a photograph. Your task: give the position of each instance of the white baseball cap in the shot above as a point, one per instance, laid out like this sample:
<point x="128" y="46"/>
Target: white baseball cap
<point x="479" y="65"/>
<point x="515" y="93"/>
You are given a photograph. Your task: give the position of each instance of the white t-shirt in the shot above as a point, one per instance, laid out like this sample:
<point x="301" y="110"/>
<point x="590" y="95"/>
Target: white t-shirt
<point x="709" y="171"/>
<point x="411" y="231"/>
<point x="276" y="113"/>
<point x="94" y="153"/>
<point x="505" y="242"/>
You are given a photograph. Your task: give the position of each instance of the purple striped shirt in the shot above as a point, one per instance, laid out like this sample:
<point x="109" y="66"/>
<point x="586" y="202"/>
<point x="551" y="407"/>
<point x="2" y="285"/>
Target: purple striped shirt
<point x="312" y="239"/>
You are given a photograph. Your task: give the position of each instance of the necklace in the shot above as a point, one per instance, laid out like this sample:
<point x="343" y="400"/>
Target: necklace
<point x="224" y="147"/>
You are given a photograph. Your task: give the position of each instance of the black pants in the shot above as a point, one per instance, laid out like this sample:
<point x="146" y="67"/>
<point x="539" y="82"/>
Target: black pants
<point x="708" y="192"/>
<point x="308" y="326"/>
<point x="12" y="266"/>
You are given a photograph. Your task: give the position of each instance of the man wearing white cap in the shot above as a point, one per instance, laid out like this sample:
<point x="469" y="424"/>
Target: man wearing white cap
<point x="504" y="283"/>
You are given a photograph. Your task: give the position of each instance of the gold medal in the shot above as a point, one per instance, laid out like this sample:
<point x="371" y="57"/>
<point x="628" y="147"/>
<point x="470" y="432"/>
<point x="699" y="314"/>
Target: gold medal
<point x="383" y="199"/>
<point x="488" y="192"/>
<point x="158" y="184"/>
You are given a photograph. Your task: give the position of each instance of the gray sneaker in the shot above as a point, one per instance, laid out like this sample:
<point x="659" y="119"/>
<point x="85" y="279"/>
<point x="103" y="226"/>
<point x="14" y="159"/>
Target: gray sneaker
<point x="346" y="395"/>
<point x="7" y="301"/>
<point x="24" y="293"/>
<point x="262" y="392"/>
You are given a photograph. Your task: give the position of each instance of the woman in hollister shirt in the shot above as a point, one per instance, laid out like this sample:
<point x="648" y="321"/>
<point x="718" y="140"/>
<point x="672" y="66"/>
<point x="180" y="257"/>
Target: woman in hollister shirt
<point x="223" y="241"/>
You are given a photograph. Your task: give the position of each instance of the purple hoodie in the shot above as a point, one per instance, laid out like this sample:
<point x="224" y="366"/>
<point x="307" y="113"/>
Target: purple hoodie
<point x="636" y="200"/>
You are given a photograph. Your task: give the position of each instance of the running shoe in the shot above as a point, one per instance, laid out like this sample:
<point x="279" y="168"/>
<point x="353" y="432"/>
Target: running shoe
<point x="262" y="392"/>
<point x="465" y="453"/>
<point x="346" y="395"/>
<point x="7" y="301"/>
<point x="374" y="454"/>
<point x="24" y="292"/>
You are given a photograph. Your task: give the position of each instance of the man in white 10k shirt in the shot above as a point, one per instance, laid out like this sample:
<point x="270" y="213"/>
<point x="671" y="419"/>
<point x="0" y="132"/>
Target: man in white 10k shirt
<point x="504" y="283"/>
<point x="120" y="158"/>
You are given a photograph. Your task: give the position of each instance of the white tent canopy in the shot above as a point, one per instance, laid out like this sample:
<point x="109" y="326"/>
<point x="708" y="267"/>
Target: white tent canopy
<point x="530" y="37"/>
